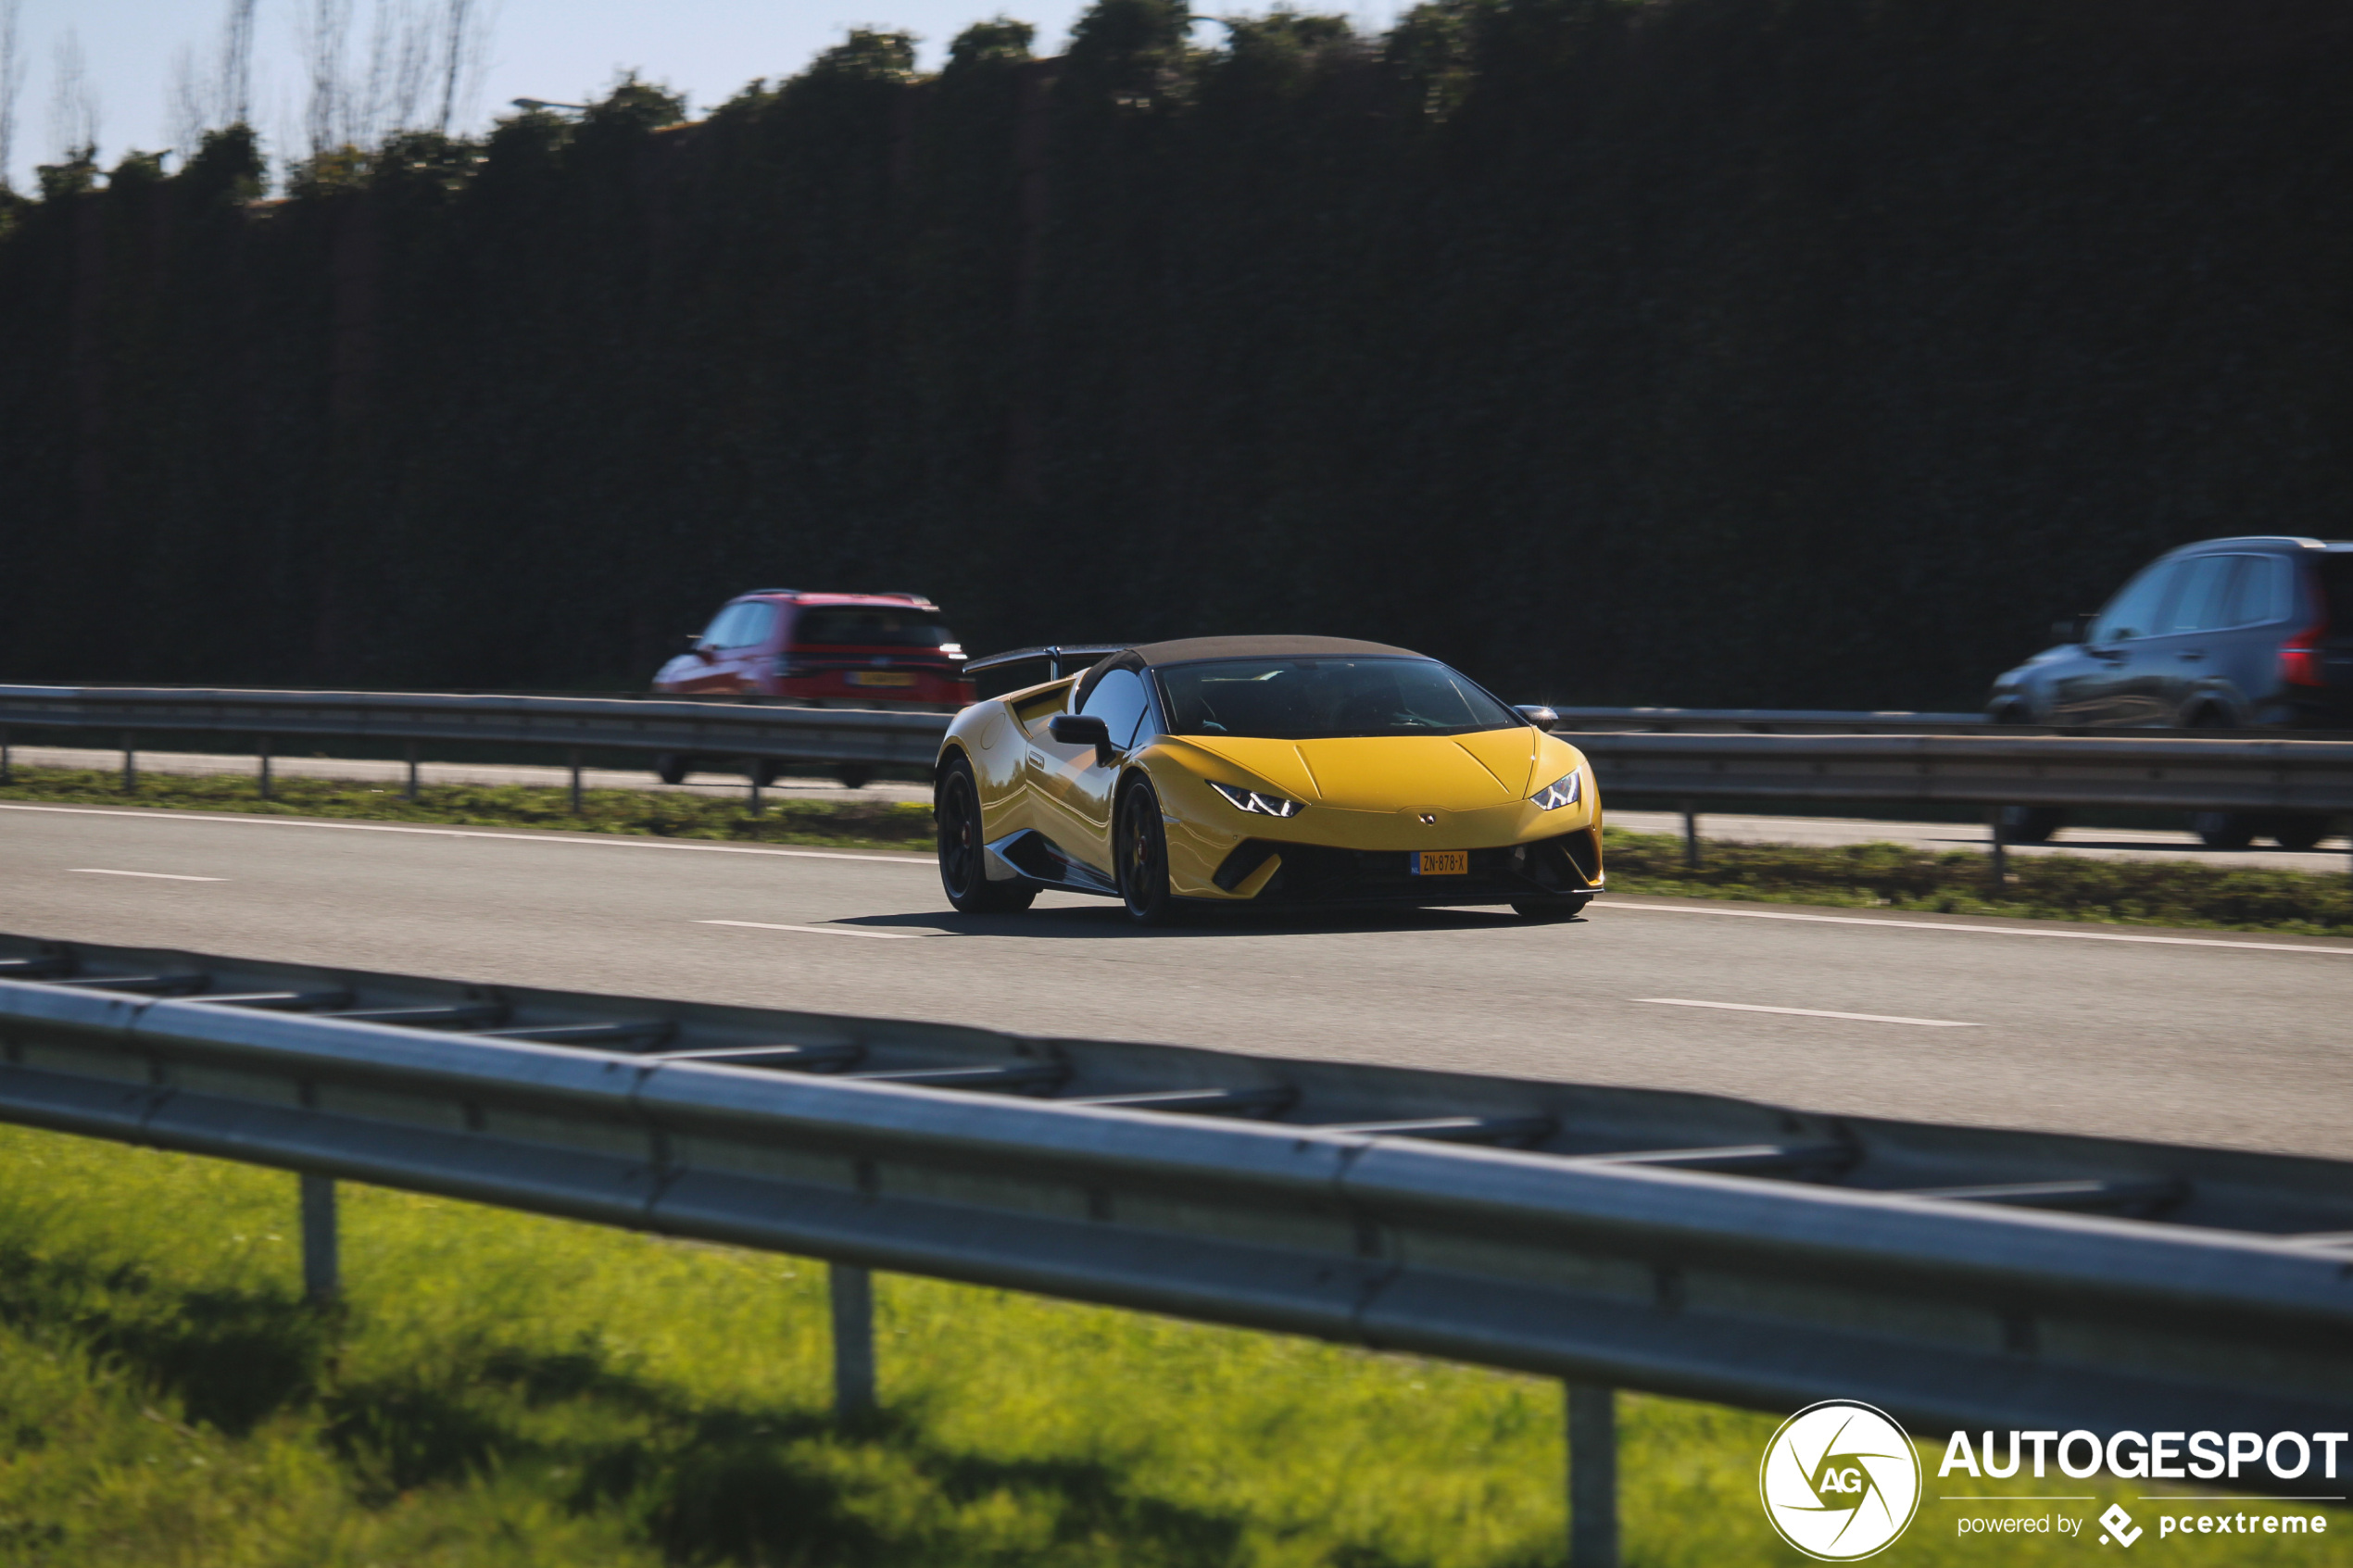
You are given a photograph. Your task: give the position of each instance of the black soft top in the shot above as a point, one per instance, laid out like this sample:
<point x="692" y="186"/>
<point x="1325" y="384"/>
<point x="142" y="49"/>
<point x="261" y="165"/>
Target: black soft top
<point x="1184" y="650"/>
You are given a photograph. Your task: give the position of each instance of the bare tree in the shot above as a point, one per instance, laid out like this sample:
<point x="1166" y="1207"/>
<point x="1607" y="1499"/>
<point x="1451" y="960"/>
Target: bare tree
<point x="73" y="103"/>
<point x="320" y="32"/>
<point x="11" y="82"/>
<point x="234" y="82"/>
<point x="463" y="39"/>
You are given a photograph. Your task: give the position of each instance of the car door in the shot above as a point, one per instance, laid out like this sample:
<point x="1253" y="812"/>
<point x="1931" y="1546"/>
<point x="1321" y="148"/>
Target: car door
<point x="747" y="654"/>
<point x="709" y="672"/>
<point x="2166" y="670"/>
<point x="2098" y="690"/>
<point x="1075" y="785"/>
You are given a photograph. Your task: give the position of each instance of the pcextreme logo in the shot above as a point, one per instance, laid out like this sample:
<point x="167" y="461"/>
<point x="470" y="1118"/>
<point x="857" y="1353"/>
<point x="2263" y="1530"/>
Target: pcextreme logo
<point x="1840" y="1480"/>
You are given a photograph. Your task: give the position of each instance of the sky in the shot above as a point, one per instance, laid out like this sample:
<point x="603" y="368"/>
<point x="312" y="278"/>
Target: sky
<point x="559" y="50"/>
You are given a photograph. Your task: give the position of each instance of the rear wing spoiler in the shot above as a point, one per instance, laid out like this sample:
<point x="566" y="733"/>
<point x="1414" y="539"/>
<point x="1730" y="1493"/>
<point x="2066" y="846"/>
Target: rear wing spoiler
<point x="1055" y="655"/>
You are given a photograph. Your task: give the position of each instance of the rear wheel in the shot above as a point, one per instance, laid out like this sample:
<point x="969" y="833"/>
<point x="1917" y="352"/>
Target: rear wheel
<point x="964" y="859"/>
<point x="1546" y="911"/>
<point x="2032" y="824"/>
<point x="2300" y="830"/>
<point x="1140" y="851"/>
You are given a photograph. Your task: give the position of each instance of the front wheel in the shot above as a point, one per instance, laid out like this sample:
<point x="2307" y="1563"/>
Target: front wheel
<point x="1140" y="851"/>
<point x="2226" y="830"/>
<point x="964" y="859"/>
<point x="1549" y="912"/>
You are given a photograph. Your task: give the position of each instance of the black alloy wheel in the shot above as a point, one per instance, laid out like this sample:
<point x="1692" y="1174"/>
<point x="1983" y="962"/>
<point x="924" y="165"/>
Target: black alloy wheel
<point x="2300" y="831"/>
<point x="1550" y="911"/>
<point x="2225" y="830"/>
<point x="963" y="861"/>
<point x="2032" y="824"/>
<point x="1139" y="853"/>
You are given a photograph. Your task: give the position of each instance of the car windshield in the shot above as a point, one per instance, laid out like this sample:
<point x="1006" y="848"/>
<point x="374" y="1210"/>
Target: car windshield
<point x="871" y="627"/>
<point x="1323" y="698"/>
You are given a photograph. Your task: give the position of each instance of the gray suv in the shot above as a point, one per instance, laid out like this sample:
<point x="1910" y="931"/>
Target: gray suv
<point x="2226" y="634"/>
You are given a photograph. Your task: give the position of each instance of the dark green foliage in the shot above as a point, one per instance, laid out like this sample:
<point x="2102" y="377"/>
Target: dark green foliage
<point x="1806" y="351"/>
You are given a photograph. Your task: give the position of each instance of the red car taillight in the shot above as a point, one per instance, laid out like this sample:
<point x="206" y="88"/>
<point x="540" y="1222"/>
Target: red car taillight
<point x="2300" y="657"/>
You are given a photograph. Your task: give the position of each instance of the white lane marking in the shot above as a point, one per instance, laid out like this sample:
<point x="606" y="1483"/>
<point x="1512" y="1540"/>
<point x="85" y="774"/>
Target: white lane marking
<point x="1985" y="930"/>
<point x="1813" y="1012"/>
<point x="159" y="876"/>
<point x="614" y="842"/>
<point x="825" y="930"/>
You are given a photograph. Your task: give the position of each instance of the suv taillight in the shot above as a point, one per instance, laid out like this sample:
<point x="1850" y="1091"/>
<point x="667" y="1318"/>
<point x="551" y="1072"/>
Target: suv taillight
<point x="2300" y="657"/>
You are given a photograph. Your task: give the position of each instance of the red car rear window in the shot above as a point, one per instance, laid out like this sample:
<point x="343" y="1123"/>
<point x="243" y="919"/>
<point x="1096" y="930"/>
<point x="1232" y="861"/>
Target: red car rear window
<point x="870" y="626"/>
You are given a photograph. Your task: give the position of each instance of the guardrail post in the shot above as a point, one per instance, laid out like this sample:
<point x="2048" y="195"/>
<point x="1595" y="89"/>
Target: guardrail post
<point x="751" y="771"/>
<point x="574" y="757"/>
<point x="261" y="751"/>
<point x="321" y="1279"/>
<point x="7" y="774"/>
<point x="1593" y="1476"/>
<point x="1999" y="871"/>
<point x="409" y="793"/>
<point x="1691" y="834"/>
<point x="852" y="1289"/>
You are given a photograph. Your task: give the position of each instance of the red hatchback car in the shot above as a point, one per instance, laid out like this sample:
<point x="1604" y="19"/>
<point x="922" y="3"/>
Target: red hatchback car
<point x="821" y="650"/>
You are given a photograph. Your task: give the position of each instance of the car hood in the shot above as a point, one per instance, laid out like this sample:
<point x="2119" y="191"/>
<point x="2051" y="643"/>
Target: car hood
<point x="1392" y="772"/>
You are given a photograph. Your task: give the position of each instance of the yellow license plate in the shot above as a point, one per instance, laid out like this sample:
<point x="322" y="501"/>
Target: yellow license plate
<point x="1442" y="863"/>
<point x="881" y="678"/>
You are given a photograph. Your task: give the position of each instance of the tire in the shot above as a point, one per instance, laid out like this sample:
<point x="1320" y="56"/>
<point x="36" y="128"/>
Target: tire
<point x="854" y="775"/>
<point x="1551" y="912"/>
<point x="1139" y="856"/>
<point x="2032" y="824"/>
<point x="2226" y="830"/>
<point x="671" y="768"/>
<point x="2300" y="831"/>
<point x="963" y="863"/>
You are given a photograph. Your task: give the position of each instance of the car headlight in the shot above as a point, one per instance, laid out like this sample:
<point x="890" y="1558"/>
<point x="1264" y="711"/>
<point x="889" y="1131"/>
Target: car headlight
<point x="1256" y="800"/>
<point x="1566" y="790"/>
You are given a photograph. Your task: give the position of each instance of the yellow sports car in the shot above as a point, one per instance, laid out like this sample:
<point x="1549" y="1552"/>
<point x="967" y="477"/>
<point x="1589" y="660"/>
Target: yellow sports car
<point x="1262" y="771"/>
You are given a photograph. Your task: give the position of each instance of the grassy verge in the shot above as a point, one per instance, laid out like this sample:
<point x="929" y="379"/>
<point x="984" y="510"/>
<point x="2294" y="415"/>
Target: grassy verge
<point x="1868" y="875"/>
<point x="498" y="1389"/>
<point x="2041" y="887"/>
<point x="867" y="824"/>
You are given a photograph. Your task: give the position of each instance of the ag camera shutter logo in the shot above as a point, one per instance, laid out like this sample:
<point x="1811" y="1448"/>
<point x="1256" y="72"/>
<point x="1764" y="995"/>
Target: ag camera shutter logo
<point x="1840" y="1480"/>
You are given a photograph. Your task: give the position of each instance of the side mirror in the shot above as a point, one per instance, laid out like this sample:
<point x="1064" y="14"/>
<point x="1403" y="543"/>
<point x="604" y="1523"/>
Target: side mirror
<point x="2070" y="628"/>
<point x="1083" y="729"/>
<point x="1540" y="716"/>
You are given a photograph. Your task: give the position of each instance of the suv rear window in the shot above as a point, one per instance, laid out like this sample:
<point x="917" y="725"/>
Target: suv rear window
<point x="2335" y="572"/>
<point x="871" y="627"/>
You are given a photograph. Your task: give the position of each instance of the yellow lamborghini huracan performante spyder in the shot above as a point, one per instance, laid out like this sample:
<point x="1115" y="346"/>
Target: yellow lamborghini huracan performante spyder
<point x="1264" y="771"/>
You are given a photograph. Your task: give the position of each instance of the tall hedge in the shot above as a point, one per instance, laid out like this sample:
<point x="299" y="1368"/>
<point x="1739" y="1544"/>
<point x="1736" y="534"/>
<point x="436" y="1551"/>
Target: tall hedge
<point x="1701" y="351"/>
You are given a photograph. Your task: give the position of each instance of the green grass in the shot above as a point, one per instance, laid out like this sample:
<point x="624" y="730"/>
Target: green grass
<point x="862" y="824"/>
<point x="1864" y="875"/>
<point x="498" y="1389"/>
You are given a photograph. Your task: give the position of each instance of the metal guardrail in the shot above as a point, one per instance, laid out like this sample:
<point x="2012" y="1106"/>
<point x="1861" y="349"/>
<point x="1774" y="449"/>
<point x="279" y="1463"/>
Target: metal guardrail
<point x="1766" y="720"/>
<point x="1648" y="753"/>
<point x="1685" y="1244"/>
<point x="1992" y="769"/>
<point x="722" y="729"/>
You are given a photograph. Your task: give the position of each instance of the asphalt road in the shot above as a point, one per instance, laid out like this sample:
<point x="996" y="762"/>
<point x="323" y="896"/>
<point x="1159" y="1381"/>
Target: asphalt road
<point x="2197" y="1037"/>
